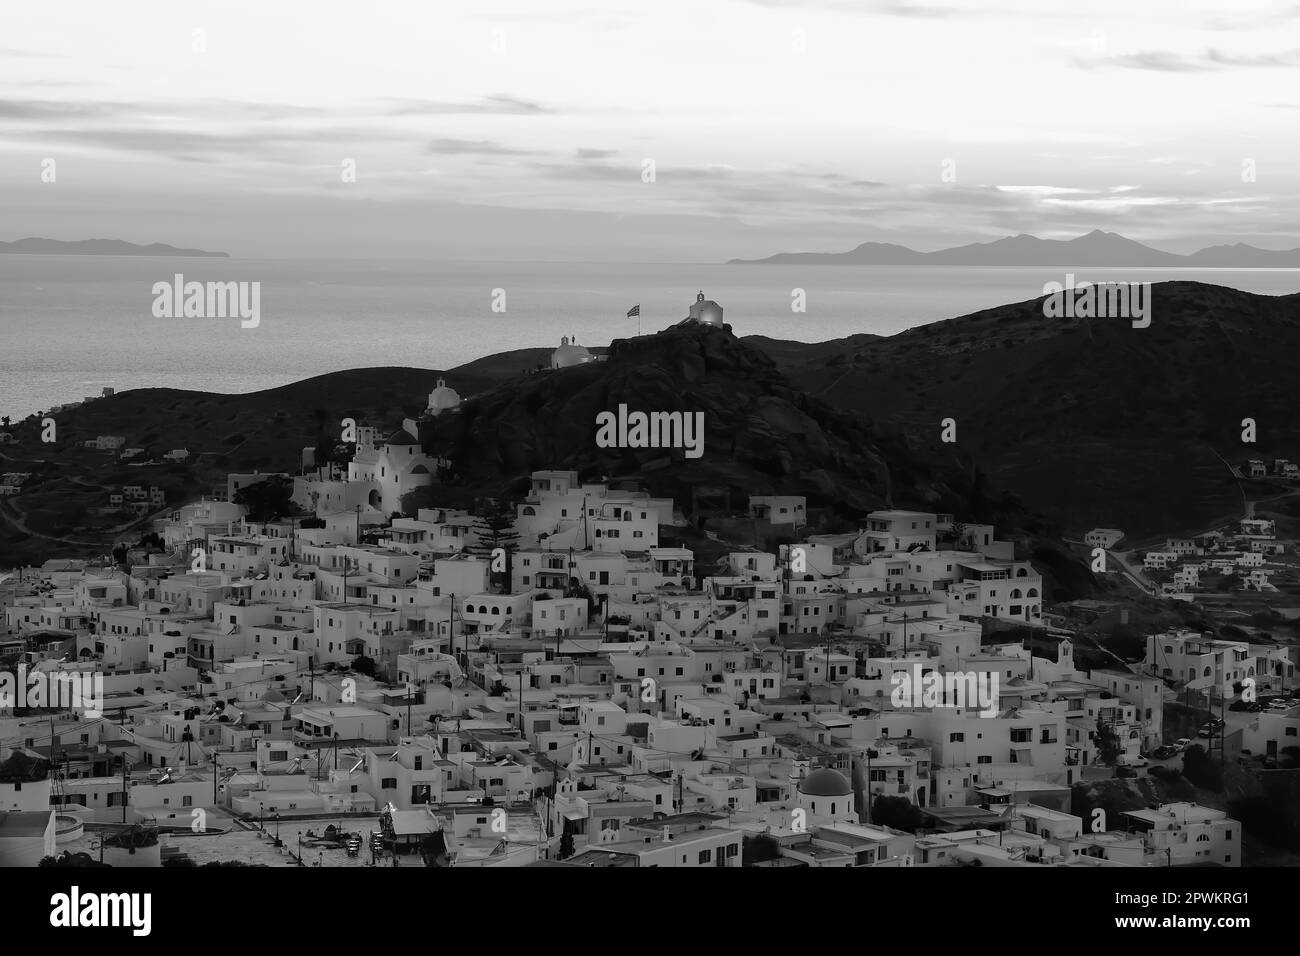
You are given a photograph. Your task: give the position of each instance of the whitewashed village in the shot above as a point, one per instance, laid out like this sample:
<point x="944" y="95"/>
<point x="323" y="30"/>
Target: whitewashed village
<point x="556" y="681"/>
<point x="351" y="686"/>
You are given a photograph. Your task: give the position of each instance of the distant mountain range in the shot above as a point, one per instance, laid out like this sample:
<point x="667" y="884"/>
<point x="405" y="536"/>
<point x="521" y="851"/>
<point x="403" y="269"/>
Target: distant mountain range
<point x="1097" y="249"/>
<point x="98" y="247"/>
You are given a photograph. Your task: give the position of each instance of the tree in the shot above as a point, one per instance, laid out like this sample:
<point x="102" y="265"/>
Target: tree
<point x="897" y="812"/>
<point x="1112" y="796"/>
<point x="566" y="843"/>
<point x="1201" y="770"/>
<point x="494" y="527"/>
<point x="268" y="499"/>
<point x="1107" y="745"/>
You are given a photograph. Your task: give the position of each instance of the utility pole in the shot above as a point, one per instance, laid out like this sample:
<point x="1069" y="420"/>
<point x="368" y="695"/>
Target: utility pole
<point x="214" y="778"/>
<point x="124" y="791"/>
<point x="870" y="754"/>
<point x="521" y="702"/>
<point x="828" y="656"/>
<point x="1223" y="732"/>
<point x="408" y="714"/>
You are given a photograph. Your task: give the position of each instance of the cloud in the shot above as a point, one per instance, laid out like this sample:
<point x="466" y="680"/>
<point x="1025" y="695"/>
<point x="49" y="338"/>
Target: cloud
<point x="1255" y="19"/>
<point x="889" y="8"/>
<point x="584" y="153"/>
<point x="473" y="147"/>
<point x="6" y="51"/>
<point x="1205" y="61"/>
<point x="109" y="111"/>
<point x="509" y="105"/>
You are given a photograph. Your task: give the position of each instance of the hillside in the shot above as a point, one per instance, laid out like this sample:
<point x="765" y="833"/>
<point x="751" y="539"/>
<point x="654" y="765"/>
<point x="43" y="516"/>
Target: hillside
<point x="1091" y="422"/>
<point x="761" y="434"/>
<point x="54" y="515"/>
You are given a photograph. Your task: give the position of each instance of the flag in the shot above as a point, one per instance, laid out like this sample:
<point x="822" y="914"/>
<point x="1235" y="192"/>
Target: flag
<point x="635" y="310"/>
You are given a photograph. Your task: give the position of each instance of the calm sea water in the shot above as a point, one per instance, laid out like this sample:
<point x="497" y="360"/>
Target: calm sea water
<point x="70" y="325"/>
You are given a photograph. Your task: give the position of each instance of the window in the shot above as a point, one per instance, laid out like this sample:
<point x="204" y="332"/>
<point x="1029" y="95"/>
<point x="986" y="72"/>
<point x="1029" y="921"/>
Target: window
<point x="388" y="783"/>
<point x="706" y="856"/>
<point x="956" y="738"/>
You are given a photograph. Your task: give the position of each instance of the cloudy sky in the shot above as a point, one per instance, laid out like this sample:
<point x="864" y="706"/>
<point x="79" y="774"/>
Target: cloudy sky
<point x="519" y="130"/>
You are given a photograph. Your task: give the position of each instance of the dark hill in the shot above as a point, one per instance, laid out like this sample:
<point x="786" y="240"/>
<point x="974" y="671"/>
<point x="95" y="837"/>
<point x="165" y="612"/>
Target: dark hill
<point x="1091" y="422"/>
<point x="762" y="435"/>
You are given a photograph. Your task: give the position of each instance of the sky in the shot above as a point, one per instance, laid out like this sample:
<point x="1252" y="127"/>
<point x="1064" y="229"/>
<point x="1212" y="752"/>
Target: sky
<point x="665" y="131"/>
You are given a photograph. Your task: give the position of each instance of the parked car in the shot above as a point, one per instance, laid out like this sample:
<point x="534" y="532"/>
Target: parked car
<point x="1207" y="731"/>
<point x="1239" y="705"/>
<point x="1165" y="752"/>
<point x="1125" y="772"/>
<point x="1181" y="744"/>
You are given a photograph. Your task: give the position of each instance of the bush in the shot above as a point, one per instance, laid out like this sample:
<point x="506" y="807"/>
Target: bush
<point x="1266" y="822"/>
<point x="1201" y="770"/>
<point x="896" y="812"/>
<point x="757" y="849"/>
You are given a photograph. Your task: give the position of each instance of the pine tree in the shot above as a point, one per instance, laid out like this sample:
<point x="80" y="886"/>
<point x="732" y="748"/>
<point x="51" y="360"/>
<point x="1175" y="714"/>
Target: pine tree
<point x="494" y="527"/>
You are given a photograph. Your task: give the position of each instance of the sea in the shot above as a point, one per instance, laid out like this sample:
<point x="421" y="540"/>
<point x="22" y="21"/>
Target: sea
<point x="73" y="325"/>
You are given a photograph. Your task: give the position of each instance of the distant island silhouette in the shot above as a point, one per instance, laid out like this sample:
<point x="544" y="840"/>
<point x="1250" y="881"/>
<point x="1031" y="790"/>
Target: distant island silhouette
<point x="99" y="247"/>
<point x="1097" y="248"/>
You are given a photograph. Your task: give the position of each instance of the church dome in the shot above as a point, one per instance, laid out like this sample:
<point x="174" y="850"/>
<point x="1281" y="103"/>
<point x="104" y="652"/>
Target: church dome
<point x="401" y="437"/>
<point x="706" y="311"/>
<point x="567" y="355"/>
<point x="825" y="782"/>
<point x="442" y="398"/>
